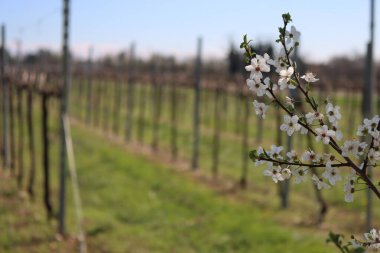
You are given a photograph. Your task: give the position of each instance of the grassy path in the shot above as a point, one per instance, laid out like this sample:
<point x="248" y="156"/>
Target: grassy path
<point x="135" y="205"/>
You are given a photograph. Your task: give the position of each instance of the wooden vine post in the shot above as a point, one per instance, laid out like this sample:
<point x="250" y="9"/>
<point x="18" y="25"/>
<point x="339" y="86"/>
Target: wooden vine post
<point x="130" y="95"/>
<point x="5" y="91"/>
<point x="90" y="103"/>
<point x="197" y="98"/>
<point x="368" y="88"/>
<point x="63" y="113"/>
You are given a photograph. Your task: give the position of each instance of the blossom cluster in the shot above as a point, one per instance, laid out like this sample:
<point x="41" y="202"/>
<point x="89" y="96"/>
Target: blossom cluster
<point x="321" y="122"/>
<point x="372" y="240"/>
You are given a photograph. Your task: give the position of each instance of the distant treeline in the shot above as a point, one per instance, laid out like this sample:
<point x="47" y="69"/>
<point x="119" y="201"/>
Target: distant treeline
<point x="341" y="72"/>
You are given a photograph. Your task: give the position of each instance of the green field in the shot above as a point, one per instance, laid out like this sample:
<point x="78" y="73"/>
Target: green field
<point x="134" y="204"/>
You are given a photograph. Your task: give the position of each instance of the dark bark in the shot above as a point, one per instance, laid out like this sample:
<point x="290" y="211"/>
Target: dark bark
<point x="30" y="129"/>
<point x="90" y="104"/>
<point x="116" y="109"/>
<point x="20" y="171"/>
<point x="216" y="137"/>
<point x="244" y="142"/>
<point x="12" y="146"/>
<point x="130" y="108"/>
<point x="173" y="117"/>
<point x="45" y="155"/>
<point x="157" y="98"/>
<point x="98" y="110"/>
<point x="237" y="111"/>
<point x="142" y="106"/>
<point x="106" y="102"/>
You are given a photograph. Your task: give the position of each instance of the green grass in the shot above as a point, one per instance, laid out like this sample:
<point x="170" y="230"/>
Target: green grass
<point x="135" y="205"/>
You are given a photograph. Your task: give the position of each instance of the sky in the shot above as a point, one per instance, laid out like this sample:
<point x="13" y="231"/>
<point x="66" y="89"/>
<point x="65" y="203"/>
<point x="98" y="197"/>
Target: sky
<point x="171" y="27"/>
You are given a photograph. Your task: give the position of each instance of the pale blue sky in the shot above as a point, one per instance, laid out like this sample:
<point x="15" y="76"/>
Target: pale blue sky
<point x="329" y="27"/>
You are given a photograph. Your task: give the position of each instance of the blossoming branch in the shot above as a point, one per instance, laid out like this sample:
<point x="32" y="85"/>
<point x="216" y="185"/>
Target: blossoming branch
<point x="320" y="121"/>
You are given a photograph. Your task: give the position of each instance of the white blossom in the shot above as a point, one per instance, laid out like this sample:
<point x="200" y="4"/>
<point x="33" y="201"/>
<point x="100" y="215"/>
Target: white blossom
<point x="293" y="35"/>
<point x="373" y="125"/>
<point x="374" y="246"/>
<point x="332" y="112"/>
<point x="292" y="156"/>
<point x="274" y="172"/>
<point x="350" y="147"/>
<point x="324" y="134"/>
<point x="373" y="155"/>
<point x="281" y="62"/>
<point x="259" y="151"/>
<point x="290" y="124"/>
<point x="285" y="78"/>
<point x="267" y="59"/>
<point x="275" y="152"/>
<point x="300" y="174"/>
<point x="289" y="101"/>
<point x="355" y="243"/>
<point x="268" y="84"/>
<point x="319" y="159"/>
<point x="354" y="148"/>
<point x="372" y="240"/>
<point x="286" y="173"/>
<point x="319" y="182"/>
<point x="376" y="142"/>
<point x="260" y="108"/>
<point x="369" y="127"/>
<point x="332" y="174"/>
<point x="311" y="116"/>
<point x="309" y="77"/>
<point x="280" y="65"/>
<point x="251" y="83"/>
<point x="309" y="156"/>
<point x="257" y="86"/>
<point x="257" y="66"/>
<point x="329" y="158"/>
<point x="338" y="132"/>
<point x="372" y="236"/>
<point x="349" y="187"/>
<point x="304" y="130"/>
<point x="361" y="148"/>
<point x="363" y="130"/>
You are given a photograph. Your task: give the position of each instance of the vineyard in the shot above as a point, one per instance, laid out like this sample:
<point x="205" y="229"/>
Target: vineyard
<point x="120" y="169"/>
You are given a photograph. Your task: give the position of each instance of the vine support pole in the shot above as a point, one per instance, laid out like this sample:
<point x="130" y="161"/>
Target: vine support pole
<point x="90" y="98"/>
<point x="5" y="91"/>
<point x="197" y="98"/>
<point x="130" y="95"/>
<point x="369" y="84"/>
<point x="63" y="111"/>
